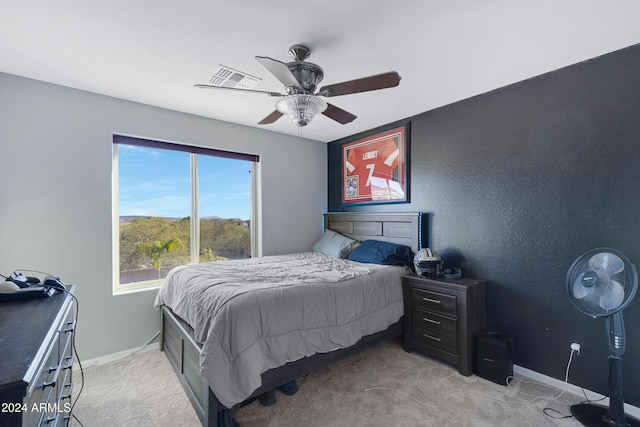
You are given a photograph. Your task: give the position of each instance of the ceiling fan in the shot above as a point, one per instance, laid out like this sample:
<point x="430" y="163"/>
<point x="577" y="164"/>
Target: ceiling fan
<point x="300" y="78"/>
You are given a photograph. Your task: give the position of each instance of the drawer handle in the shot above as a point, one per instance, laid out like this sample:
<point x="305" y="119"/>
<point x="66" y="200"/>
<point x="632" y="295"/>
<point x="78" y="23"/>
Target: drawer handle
<point x="70" y="387"/>
<point x="49" y="384"/>
<point x="426" y="319"/>
<point x="53" y="382"/>
<point x="435" y="301"/>
<point x="432" y="337"/>
<point x="71" y="327"/>
<point x="70" y="365"/>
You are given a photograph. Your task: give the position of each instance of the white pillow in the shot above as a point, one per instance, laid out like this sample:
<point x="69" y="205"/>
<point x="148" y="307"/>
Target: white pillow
<point x="331" y="243"/>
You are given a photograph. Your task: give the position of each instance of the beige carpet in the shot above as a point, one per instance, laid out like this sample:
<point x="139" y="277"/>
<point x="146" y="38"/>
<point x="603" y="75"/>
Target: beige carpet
<point x="139" y="390"/>
<point x="383" y="386"/>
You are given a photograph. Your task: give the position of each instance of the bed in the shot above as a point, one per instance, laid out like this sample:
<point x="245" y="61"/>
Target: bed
<point x="233" y="362"/>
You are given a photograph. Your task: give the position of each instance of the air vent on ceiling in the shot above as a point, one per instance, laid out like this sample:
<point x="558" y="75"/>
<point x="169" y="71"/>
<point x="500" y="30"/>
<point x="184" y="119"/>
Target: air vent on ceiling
<point x="228" y="77"/>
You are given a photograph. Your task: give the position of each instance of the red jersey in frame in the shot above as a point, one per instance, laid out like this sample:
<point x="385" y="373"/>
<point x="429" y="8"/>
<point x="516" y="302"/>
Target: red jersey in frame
<point x="374" y="168"/>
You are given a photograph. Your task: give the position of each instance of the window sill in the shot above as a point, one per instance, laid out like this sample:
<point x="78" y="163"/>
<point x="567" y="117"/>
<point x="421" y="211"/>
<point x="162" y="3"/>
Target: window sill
<point x="152" y="285"/>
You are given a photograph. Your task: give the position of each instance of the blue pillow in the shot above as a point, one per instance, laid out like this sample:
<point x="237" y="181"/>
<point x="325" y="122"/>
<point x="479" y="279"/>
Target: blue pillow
<point x="377" y="252"/>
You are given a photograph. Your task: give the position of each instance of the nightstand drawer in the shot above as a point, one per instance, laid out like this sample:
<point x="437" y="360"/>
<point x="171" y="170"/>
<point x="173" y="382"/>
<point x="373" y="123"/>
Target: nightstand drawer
<point x="434" y="322"/>
<point x="442" y="341"/>
<point x="434" y="301"/>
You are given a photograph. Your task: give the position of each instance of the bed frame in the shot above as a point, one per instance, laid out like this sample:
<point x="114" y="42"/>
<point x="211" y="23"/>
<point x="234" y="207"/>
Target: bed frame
<point x="183" y="351"/>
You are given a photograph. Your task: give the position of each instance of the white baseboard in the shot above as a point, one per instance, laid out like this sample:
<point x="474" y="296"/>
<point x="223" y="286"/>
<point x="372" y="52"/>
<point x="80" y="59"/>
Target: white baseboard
<point x="114" y="356"/>
<point x="630" y="410"/>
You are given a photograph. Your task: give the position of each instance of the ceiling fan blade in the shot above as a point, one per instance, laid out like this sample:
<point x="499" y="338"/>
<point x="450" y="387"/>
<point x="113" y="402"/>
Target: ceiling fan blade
<point x="206" y="86"/>
<point x="365" y="84"/>
<point x="275" y="115"/>
<point x="338" y="114"/>
<point x="280" y="70"/>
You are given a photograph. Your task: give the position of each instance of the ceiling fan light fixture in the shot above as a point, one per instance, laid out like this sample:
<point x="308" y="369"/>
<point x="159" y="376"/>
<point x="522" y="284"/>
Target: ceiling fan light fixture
<point x="301" y="108"/>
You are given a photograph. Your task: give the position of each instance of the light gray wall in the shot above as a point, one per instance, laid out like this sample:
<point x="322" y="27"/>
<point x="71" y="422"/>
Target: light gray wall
<point x="55" y="194"/>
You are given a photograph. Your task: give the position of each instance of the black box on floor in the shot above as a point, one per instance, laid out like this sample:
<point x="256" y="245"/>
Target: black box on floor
<point x="493" y="354"/>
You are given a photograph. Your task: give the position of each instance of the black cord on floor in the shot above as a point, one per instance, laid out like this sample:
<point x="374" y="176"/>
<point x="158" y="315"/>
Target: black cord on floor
<point x="547" y="411"/>
<point x="561" y="416"/>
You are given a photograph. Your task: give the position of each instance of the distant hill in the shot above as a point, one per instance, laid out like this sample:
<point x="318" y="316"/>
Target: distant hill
<point x="125" y="219"/>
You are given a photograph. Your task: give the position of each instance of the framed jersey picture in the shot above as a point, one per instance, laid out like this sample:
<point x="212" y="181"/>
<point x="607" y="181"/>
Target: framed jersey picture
<point x="375" y="168"/>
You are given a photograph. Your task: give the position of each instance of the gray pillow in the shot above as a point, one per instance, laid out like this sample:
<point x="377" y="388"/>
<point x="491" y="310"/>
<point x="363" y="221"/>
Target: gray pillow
<point x="332" y="243"/>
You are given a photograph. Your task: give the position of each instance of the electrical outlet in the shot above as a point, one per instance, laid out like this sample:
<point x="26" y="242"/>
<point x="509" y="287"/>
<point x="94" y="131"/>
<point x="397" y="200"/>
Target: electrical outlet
<point x="577" y="348"/>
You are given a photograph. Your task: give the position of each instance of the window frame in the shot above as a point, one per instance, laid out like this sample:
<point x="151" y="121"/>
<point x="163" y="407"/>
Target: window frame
<point x="119" y="289"/>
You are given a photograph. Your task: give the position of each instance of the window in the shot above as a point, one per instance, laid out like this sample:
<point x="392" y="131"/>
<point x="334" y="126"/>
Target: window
<point x="175" y="205"/>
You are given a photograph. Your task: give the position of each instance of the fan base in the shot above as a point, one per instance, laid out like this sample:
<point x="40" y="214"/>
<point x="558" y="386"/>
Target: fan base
<point x="595" y="416"/>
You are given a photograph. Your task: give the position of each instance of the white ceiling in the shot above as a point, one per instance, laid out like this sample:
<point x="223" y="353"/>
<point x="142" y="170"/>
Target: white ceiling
<point x="154" y="51"/>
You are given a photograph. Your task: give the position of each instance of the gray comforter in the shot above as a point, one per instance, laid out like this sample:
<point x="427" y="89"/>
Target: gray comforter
<point x="259" y="313"/>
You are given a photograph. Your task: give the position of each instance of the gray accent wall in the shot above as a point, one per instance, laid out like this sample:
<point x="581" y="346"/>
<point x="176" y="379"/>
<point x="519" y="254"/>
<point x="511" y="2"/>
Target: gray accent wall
<point x="521" y="181"/>
<point x="55" y="194"/>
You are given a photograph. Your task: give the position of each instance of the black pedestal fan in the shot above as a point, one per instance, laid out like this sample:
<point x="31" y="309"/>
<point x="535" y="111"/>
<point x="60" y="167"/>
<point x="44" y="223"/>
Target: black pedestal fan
<point x="601" y="283"/>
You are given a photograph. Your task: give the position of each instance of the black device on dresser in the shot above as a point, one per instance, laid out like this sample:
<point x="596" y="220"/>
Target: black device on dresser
<point x="441" y="317"/>
<point x="36" y="361"/>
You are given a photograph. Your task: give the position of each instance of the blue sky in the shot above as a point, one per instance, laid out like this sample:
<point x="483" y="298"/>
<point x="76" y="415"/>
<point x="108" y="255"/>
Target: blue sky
<point x="155" y="182"/>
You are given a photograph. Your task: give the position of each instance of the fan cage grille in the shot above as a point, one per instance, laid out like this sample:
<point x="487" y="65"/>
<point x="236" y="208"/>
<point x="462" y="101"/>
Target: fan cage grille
<point x="614" y="287"/>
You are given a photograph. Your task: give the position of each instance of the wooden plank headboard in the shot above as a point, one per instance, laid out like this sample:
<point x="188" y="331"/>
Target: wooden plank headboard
<point x="401" y="228"/>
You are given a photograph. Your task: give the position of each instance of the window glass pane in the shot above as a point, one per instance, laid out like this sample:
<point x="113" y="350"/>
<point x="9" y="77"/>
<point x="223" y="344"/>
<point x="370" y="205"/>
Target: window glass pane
<point x="154" y="206"/>
<point x="224" y="199"/>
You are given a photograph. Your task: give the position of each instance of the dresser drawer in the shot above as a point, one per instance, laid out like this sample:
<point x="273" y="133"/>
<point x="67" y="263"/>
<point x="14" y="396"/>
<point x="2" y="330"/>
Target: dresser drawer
<point x="47" y="375"/>
<point x="442" y="341"/>
<point x="48" y="408"/>
<point x="66" y="335"/>
<point x="434" y="301"/>
<point x="44" y="386"/>
<point x="433" y="322"/>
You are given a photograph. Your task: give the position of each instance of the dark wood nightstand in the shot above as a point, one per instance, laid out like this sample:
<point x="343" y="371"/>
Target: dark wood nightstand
<point x="441" y="317"/>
